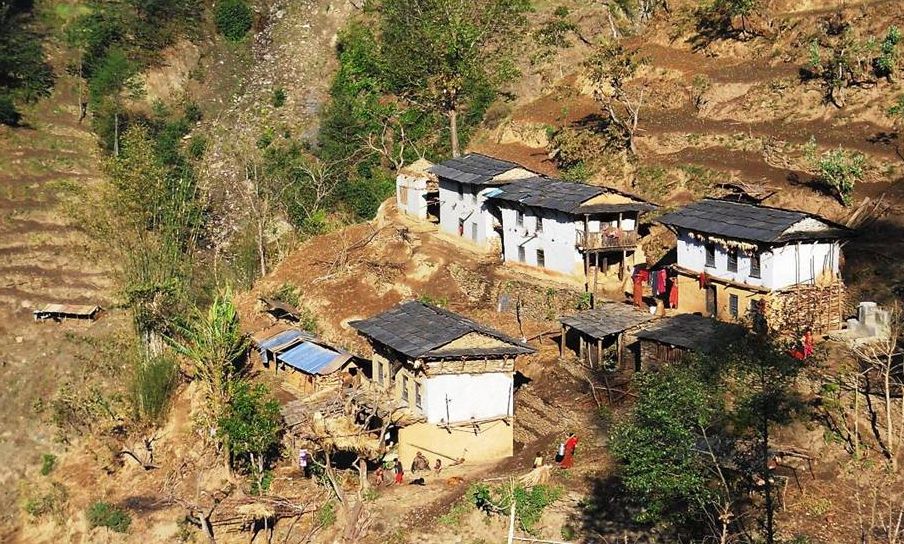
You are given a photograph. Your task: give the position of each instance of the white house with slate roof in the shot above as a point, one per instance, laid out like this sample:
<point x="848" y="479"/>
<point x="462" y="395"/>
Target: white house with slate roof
<point x="746" y="254"/>
<point x="453" y="374"/>
<point x="584" y="231"/>
<point x="463" y="185"/>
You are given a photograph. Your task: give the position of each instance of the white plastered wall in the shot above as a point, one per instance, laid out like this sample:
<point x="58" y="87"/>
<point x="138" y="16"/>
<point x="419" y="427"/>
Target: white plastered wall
<point x="477" y="396"/>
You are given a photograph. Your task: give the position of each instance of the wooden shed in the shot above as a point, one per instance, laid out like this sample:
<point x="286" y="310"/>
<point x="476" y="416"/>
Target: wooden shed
<point x="306" y="361"/>
<point x="670" y="339"/>
<point x="604" y="333"/>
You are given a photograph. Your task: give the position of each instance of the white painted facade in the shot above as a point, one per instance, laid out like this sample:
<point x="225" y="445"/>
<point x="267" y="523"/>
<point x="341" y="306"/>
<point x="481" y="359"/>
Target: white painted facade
<point x="463" y="211"/>
<point x="780" y="267"/>
<point x="478" y="396"/>
<point x="411" y="195"/>
<point x="557" y="239"/>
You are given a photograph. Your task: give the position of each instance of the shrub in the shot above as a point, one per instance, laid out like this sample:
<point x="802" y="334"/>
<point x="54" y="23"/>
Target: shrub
<point x="48" y="462"/>
<point x="197" y="147"/>
<point x="279" y="98"/>
<point x="326" y="514"/>
<point x="839" y="171"/>
<point x="287" y="293"/>
<point x="529" y="502"/>
<point x="51" y="503"/>
<point x="104" y="514"/>
<point x="233" y="19"/>
<point x="441" y="302"/>
<point x="887" y="61"/>
<point x="153" y="385"/>
<point x="9" y="115"/>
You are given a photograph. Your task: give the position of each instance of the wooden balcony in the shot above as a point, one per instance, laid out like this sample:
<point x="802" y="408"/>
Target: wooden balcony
<point x="615" y="239"/>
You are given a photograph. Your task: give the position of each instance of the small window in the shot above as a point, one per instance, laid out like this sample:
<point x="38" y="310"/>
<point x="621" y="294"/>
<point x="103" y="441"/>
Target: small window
<point x="754" y="265"/>
<point x="404" y="387"/>
<point x="461" y="191"/>
<point x="541" y="258"/>
<point x="519" y="218"/>
<point x="733" y="306"/>
<point x="380" y="375"/>
<point x="710" y="255"/>
<point x="474" y="231"/>
<point x="461" y="227"/>
<point x="418" y="399"/>
<point x="521" y="254"/>
<point x="732" y="260"/>
<point x="539" y="227"/>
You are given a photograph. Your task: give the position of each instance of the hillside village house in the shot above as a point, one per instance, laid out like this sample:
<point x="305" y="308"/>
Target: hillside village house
<point x="417" y="190"/>
<point x="778" y="268"/>
<point x="306" y="361"/>
<point x="578" y="230"/>
<point x="671" y="339"/>
<point x="463" y="184"/>
<point x="605" y="333"/>
<point x="454" y="375"/>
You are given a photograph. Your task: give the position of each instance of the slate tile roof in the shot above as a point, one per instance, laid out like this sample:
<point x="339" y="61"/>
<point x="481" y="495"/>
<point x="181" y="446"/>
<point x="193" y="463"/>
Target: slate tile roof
<point x="693" y="332"/>
<point x="472" y="168"/>
<point x="607" y="319"/>
<point x="416" y="329"/>
<point x="742" y="221"/>
<point x="563" y="196"/>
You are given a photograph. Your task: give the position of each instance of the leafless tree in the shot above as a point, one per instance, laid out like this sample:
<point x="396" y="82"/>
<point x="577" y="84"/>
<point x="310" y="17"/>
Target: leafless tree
<point x="610" y="68"/>
<point x="881" y="358"/>
<point x="391" y="143"/>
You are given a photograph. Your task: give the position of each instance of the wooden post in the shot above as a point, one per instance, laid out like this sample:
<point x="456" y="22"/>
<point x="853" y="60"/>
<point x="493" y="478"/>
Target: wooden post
<point x="562" y="343"/>
<point x="624" y="262"/>
<point x="596" y="271"/>
<point x="581" y="347"/>
<point x="599" y="351"/>
<point x="619" y="349"/>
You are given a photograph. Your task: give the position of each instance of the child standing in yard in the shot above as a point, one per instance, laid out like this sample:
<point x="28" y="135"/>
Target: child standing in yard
<point x="399" y="471"/>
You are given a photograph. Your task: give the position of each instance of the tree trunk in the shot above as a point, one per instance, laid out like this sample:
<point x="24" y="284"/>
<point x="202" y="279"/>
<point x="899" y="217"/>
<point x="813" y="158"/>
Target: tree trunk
<point x="453" y="131"/>
<point x="116" y="134"/>
<point x="767" y="486"/>
<point x="261" y="246"/>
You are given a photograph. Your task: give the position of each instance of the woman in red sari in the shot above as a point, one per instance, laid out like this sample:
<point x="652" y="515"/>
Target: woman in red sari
<point x="570" y="444"/>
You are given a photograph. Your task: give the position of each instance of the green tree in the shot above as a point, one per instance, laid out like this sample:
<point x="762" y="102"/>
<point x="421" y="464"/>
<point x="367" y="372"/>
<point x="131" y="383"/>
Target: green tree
<point x="658" y="447"/>
<point x="445" y="54"/>
<point x="216" y="348"/>
<point x="611" y="67"/>
<point x="24" y="73"/>
<point x="728" y="17"/>
<point x="252" y="428"/>
<point x="233" y="19"/>
<point x="764" y="393"/>
<point x="839" y="171"/>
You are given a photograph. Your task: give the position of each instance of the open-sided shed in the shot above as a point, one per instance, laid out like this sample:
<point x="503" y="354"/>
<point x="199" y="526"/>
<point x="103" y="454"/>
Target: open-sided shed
<point x="312" y="362"/>
<point x="62" y="312"/>
<point x="603" y="330"/>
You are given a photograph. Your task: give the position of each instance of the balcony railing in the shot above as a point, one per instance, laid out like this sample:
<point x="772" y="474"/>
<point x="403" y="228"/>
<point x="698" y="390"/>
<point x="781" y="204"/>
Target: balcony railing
<point x="614" y="239"/>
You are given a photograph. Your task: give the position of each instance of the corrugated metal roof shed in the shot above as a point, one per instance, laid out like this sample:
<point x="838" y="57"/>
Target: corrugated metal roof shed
<point x="472" y="168"/>
<point x="416" y="329"/>
<point x="742" y="221"/>
<point x="313" y="359"/>
<point x="693" y="332"/>
<point x="607" y="319"/>
<point x="289" y="337"/>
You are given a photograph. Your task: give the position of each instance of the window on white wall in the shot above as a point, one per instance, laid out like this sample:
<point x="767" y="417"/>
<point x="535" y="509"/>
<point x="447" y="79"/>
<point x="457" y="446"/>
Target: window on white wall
<point x="380" y="375"/>
<point x="418" y="398"/>
<point x="710" y="254"/>
<point x="519" y="218"/>
<point x="754" y="265"/>
<point x="404" y="386"/>
<point x="733" y="305"/>
<point x="461" y="191"/>
<point x="539" y="227"/>
<point x="732" y="260"/>
<point x="541" y="258"/>
<point x="521" y="255"/>
<point x="474" y="231"/>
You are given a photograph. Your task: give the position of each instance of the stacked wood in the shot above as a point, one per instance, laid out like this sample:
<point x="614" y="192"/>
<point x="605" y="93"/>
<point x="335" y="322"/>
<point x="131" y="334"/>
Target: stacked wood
<point x="818" y="308"/>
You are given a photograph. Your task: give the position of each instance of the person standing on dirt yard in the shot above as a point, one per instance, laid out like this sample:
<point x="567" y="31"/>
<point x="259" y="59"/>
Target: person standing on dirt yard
<point x="399" y="471"/>
<point x="568" y="457"/>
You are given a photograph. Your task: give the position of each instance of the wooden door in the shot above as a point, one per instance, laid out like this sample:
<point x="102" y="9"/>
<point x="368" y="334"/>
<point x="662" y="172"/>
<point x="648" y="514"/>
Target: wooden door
<point x="711" y="301"/>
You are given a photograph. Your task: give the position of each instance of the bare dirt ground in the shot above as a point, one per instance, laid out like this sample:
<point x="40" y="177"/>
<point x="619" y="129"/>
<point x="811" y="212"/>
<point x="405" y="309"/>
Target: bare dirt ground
<point x="44" y="257"/>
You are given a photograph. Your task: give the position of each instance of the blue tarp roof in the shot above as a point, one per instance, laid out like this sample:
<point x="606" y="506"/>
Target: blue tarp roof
<point x="313" y="359"/>
<point x="280" y="339"/>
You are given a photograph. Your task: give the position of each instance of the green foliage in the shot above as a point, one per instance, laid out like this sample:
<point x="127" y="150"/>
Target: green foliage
<point x="252" y="427"/>
<point x="51" y="503"/>
<point x="216" y="347"/>
<point x="288" y="293"/>
<point x="104" y="514"/>
<point x="441" y="302"/>
<point x="839" y="171"/>
<point x="24" y="73"/>
<point x="886" y="63"/>
<point x="530" y="502"/>
<point x="279" y="97"/>
<point x="48" y="463"/>
<point x="657" y="447"/>
<point x="897" y="110"/>
<point x="154" y="381"/>
<point x="721" y="17"/>
<point x="584" y="300"/>
<point x="554" y="33"/>
<point x="261" y="484"/>
<point x="233" y="18"/>
<point x="325" y="516"/>
<point x="454" y="516"/>
<point x="197" y="146"/>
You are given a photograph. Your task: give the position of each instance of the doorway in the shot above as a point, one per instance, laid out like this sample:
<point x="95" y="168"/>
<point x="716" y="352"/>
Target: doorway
<point x="712" y="307"/>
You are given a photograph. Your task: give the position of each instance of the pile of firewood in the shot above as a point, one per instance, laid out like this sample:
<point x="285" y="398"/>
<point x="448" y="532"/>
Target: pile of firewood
<point x="815" y="307"/>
